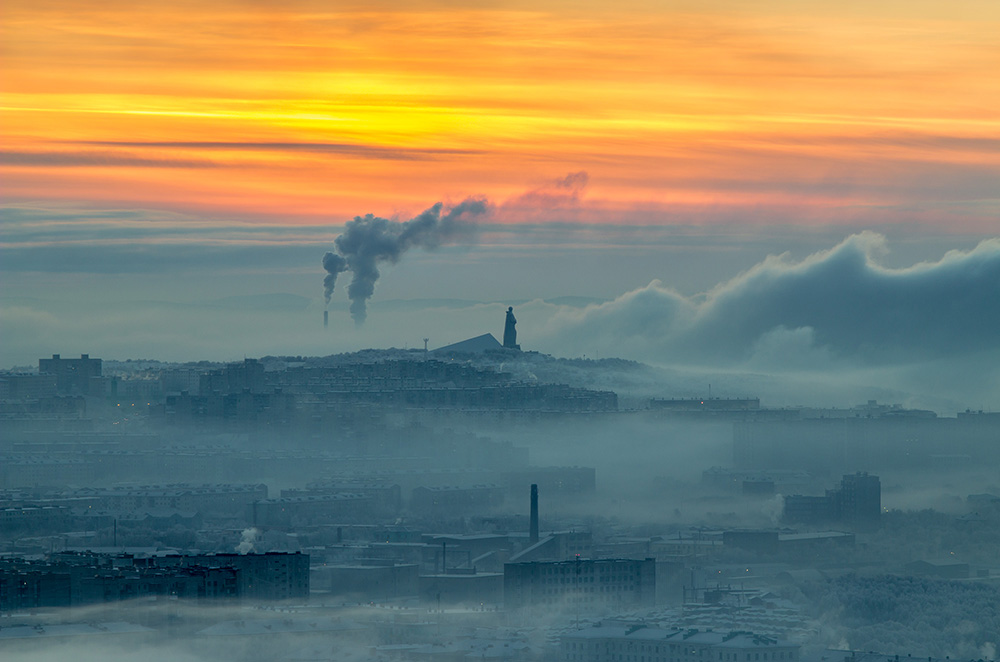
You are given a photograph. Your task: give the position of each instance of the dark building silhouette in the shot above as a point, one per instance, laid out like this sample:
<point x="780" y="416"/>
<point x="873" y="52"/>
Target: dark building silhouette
<point x="80" y="375"/>
<point x="859" y="499"/>
<point x="235" y="378"/>
<point x="69" y="579"/>
<point x="581" y="583"/>
<point x="509" y="330"/>
<point x="857" y="502"/>
<point x="533" y="533"/>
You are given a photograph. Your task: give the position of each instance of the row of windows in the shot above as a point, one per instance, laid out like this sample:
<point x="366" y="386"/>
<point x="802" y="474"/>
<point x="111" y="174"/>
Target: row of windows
<point x="587" y="589"/>
<point x="588" y="569"/>
<point x="575" y="652"/>
<point x="588" y="580"/>
<point x="554" y="601"/>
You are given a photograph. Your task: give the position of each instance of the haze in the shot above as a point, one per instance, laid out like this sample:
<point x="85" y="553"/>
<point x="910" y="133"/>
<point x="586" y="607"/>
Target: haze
<point x="416" y="331"/>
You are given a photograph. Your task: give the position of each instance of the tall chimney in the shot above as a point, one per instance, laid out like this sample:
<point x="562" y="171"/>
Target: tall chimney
<point x="533" y="533"/>
<point x="326" y="318"/>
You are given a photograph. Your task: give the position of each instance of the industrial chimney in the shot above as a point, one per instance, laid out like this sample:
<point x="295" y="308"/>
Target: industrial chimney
<point x="533" y="533"/>
<point x="326" y="318"/>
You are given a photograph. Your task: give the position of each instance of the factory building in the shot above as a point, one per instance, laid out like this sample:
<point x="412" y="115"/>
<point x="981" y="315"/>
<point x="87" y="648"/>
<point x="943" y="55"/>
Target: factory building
<point x="857" y="502"/>
<point x="580" y="583"/>
<point x="74" y="376"/>
<point x="69" y="579"/>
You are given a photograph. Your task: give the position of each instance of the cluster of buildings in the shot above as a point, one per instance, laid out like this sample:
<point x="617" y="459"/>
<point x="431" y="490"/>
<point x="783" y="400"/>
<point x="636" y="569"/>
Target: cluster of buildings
<point x="363" y="471"/>
<point x="246" y="393"/>
<point x="68" y="579"/>
<point x="856" y="503"/>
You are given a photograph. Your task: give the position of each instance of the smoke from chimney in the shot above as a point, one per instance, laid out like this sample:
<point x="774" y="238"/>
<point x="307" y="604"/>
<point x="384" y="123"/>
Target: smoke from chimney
<point x="248" y="541"/>
<point x="370" y="240"/>
<point x="334" y="264"/>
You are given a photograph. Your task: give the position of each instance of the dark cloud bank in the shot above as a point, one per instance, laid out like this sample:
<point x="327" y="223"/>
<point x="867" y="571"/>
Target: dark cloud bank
<point x="834" y="305"/>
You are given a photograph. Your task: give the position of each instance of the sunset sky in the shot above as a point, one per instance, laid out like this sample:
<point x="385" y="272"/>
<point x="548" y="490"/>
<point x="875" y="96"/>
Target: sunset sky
<point x="217" y="148"/>
<point x="300" y="112"/>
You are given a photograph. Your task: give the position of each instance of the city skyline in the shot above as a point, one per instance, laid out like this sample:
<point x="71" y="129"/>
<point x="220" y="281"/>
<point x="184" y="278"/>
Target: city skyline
<point x="173" y="177"/>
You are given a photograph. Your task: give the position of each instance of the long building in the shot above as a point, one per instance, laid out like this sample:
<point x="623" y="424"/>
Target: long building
<point x="857" y="502"/>
<point x="68" y="579"/>
<point x="82" y="375"/>
<point x="582" y="583"/>
<point x="638" y="643"/>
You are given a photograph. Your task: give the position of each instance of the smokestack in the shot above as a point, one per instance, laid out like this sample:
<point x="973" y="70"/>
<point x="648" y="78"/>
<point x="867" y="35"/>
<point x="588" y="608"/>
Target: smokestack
<point x="533" y="533"/>
<point x="326" y="318"/>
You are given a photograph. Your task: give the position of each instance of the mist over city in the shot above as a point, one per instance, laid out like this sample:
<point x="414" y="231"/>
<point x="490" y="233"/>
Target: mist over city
<point x="414" y="331"/>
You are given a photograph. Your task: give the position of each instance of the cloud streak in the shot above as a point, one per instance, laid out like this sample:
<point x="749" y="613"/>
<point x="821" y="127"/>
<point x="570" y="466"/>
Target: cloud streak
<point x="95" y="159"/>
<point x="345" y="149"/>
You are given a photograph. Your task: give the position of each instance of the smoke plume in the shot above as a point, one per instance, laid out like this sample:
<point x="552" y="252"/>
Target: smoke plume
<point x="334" y="264"/>
<point x="248" y="541"/>
<point x="369" y="240"/>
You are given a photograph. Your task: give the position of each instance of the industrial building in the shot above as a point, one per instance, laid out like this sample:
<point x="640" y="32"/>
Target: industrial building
<point x="74" y="376"/>
<point x="580" y="583"/>
<point x="856" y="503"/>
<point x="68" y="579"/>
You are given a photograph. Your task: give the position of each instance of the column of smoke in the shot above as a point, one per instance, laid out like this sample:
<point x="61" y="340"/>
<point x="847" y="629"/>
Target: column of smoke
<point x="248" y="541"/>
<point x="370" y="240"/>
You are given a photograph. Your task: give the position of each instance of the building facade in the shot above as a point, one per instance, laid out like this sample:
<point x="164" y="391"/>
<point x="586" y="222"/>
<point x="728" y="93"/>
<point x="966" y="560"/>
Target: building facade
<point x="580" y="583"/>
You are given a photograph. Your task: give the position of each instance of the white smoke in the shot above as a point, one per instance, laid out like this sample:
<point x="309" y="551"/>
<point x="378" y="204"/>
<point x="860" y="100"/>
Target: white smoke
<point x="774" y="508"/>
<point x="248" y="541"/>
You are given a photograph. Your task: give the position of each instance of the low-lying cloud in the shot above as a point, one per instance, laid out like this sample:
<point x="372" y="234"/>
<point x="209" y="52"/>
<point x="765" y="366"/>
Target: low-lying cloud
<point x="836" y="304"/>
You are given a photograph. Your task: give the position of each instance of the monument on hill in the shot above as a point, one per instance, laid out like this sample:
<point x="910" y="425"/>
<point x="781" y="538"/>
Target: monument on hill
<point x="509" y="332"/>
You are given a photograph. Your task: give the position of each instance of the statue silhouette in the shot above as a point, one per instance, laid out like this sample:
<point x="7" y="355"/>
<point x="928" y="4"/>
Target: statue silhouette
<point x="509" y="332"/>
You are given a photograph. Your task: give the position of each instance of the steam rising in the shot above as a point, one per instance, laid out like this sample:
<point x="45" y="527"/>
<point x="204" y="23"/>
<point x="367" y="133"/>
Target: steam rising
<point x="839" y="303"/>
<point x="248" y="541"/>
<point x="368" y="240"/>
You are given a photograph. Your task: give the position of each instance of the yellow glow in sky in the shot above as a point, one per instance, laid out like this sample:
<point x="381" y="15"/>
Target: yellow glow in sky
<point x="793" y="112"/>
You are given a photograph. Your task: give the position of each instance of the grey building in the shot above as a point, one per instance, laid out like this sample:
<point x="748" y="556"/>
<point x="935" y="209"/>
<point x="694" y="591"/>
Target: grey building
<point x="591" y="583"/>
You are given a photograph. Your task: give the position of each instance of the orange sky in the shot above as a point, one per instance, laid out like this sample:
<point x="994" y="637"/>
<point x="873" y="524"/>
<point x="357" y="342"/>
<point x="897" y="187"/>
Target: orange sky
<point x="678" y="112"/>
